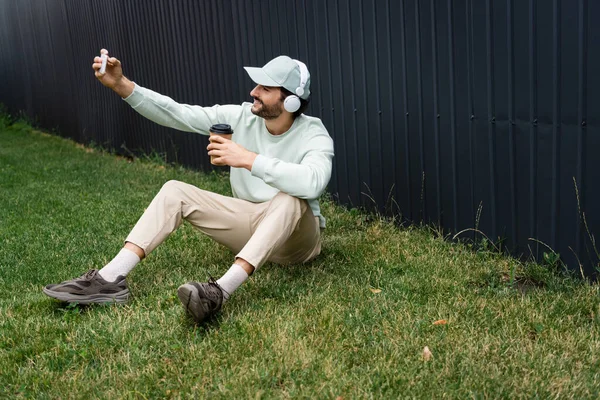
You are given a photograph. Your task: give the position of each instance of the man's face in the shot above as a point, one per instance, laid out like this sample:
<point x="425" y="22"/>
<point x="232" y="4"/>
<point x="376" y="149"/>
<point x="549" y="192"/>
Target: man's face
<point x="267" y="102"/>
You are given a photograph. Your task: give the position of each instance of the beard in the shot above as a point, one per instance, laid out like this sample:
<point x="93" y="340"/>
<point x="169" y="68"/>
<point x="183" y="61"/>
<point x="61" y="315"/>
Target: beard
<point x="265" y="111"/>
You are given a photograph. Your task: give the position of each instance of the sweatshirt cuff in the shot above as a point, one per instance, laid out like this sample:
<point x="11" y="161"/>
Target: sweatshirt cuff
<point x="136" y="97"/>
<point x="259" y="167"/>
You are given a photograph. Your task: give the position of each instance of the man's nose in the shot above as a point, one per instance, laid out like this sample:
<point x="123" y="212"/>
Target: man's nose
<point x="254" y="92"/>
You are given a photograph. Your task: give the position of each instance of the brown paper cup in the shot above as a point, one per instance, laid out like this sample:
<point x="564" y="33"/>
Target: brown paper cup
<point x="222" y="130"/>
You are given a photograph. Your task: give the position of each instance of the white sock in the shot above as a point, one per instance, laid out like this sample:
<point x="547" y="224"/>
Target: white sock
<point x="122" y="264"/>
<point x="232" y="280"/>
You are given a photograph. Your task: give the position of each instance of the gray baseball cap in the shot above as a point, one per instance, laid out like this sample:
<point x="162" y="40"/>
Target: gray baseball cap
<point x="283" y="72"/>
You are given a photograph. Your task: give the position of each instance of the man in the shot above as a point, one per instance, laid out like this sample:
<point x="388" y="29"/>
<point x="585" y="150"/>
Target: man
<point x="280" y="163"/>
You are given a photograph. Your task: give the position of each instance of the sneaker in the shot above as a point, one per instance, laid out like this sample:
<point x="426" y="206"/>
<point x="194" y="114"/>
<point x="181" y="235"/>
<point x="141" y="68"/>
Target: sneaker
<point x="201" y="300"/>
<point x="90" y="288"/>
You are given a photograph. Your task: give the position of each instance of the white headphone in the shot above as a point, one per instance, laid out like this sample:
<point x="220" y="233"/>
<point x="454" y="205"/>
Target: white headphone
<point x="292" y="102"/>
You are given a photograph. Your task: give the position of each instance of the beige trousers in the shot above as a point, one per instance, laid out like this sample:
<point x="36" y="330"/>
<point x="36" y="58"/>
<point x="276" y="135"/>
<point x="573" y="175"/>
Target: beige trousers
<point x="282" y="230"/>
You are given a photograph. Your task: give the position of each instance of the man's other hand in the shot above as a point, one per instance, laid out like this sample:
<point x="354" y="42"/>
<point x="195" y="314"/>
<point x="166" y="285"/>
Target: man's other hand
<point x="226" y="152"/>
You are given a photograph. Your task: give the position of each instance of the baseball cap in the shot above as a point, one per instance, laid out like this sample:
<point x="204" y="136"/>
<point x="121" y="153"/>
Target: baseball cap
<point x="281" y="71"/>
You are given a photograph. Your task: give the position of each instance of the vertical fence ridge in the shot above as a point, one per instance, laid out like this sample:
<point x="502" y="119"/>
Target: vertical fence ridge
<point x="354" y="110"/>
<point x="533" y="183"/>
<point x="491" y="113"/>
<point x="364" y="89"/>
<point x="296" y="29"/>
<point x="27" y="80"/>
<point x="392" y="112"/>
<point x="511" y="119"/>
<point x="471" y="105"/>
<point x="330" y="107"/>
<point x="276" y="32"/>
<point x="317" y="62"/>
<point x="50" y="40"/>
<point x="407" y="147"/>
<point x="220" y="47"/>
<point x="342" y="92"/>
<point x="451" y="79"/>
<point x="556" y="75"/>
<point x="581" y="116"/>
<point x="378" y="100"/>
<point x="422" y="210"/>
<point x="436" y="115"/>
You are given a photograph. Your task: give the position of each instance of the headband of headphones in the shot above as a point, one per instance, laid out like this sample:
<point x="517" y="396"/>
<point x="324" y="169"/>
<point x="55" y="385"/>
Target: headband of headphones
<point x="303" y="77"/>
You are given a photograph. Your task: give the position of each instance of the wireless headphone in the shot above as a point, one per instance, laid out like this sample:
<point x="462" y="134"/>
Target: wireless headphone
<point x="292" y="102"/>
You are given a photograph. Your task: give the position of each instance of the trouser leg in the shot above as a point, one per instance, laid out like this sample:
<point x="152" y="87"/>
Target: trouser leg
<point x="223" y="218"/>
<point x="282" y="230"/>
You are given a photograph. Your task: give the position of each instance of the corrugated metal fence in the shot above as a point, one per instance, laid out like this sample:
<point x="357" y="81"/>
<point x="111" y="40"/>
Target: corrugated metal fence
<point x="464" y="113"/>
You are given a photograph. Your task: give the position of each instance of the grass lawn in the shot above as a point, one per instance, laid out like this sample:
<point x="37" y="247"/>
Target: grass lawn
<point x="351" y="324"/>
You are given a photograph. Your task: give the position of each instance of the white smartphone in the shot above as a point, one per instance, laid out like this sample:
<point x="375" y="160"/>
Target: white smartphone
<point x="104" y="58"/>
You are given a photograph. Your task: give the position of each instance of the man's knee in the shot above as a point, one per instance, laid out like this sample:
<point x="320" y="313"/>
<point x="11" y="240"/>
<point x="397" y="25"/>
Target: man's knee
<point x="291" y="202"/>
<point x="173" y="189"/>
<point x="172" y="186"/>
<point x="171" y="192"/>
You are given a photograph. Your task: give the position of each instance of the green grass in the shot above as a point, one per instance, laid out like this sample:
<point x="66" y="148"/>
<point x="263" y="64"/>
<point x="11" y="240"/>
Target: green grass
<point x="320" y="330"/>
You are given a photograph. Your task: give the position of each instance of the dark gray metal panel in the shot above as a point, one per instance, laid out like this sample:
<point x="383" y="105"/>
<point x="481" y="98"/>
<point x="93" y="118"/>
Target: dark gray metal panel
<point x="461" y="113"/>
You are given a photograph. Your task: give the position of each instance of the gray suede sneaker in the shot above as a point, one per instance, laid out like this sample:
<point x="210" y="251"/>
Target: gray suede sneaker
<point x="201" y="300"/>
<point x="90" y="288"/>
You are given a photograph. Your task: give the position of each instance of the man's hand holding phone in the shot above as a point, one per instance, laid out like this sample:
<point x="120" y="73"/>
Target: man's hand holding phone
<point x="109" y="72"/>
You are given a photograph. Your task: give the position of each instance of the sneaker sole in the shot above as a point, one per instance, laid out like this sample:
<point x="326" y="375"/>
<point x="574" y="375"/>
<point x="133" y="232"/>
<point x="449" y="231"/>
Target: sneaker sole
<point x="190" y="299"/>
<point x="119" y="297"/>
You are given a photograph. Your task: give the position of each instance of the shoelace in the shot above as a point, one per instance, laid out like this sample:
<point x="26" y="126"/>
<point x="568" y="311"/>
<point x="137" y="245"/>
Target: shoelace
<point x="89" y="275"/>
<point x="217" y="293"/>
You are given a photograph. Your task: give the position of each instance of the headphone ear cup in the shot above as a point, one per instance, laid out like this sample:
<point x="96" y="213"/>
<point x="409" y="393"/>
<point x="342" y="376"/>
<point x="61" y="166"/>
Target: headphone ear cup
<point x="291" y="103"/>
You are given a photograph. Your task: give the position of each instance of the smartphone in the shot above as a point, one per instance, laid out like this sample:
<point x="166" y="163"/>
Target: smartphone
<point x="104" y="58"/>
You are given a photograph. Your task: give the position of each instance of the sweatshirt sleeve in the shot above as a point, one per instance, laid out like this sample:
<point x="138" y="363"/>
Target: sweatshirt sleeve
<point x="167" y="112"/>
<point x="306" y="180"/>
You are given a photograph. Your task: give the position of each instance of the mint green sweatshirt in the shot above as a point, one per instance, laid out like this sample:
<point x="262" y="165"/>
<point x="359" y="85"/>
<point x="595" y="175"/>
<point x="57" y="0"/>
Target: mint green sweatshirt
<point x="297" y="162"/>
